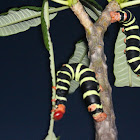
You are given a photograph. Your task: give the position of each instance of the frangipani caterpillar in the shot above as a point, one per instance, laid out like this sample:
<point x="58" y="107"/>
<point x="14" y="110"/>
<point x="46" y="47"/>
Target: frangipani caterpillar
<point x="88" y="84"/>
<point x="131" y="29"/>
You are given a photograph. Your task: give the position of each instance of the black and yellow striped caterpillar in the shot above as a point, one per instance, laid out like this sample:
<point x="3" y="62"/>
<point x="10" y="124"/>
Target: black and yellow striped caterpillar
<point x="88" y="84"/>
<point x="131" y="29"/>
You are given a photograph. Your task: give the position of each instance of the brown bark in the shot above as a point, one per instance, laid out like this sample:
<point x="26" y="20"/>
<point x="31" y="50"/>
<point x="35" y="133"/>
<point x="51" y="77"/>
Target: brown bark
<point x="105" y="130"/>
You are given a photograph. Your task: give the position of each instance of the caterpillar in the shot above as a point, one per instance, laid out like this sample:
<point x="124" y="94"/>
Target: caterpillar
<point x="131" y="29"/>
<point x="88" y="84"/>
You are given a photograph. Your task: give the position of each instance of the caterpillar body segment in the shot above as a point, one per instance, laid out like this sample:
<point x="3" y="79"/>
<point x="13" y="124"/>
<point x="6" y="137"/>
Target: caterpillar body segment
<point x="131" y="29"/>
<point x="89" y="87"/>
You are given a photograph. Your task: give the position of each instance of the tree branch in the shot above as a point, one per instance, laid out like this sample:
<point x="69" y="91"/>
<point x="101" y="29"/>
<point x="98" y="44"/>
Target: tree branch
<point x="105" y="130"/>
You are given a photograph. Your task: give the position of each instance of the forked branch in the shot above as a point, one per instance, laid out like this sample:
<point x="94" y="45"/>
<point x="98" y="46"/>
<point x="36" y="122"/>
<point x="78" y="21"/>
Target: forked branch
<point x="105" y="130"/>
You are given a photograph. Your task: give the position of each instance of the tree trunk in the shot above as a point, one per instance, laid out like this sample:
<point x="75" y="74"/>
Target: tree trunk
<point x="105" y="130"/>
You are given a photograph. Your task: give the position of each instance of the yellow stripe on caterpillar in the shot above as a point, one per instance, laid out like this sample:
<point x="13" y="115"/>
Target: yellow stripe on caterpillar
<point x="77" y="72"/>
<point x="71" y="69"/>
<point x="132" y="48"/>
<point x="89" y="93"/>
<point x="137" y="68"/>
<point x="122" y="11"/>
<point x="132" y="28"/>
<point x="60" y="98"/>
<point x="64" y="72"/>
<point x="131" y="22"/>
<point x="98" y="105"/>
<point x="61" y="87"/>
<point x="134" y="59"/>
<point x="133" y="36"/>
<point x="63" y="80"/>
<point x="96" y="114"/>
<point x="129" y="18"/>
<point x="85" y="79"/>
<point x="83" y="71"/>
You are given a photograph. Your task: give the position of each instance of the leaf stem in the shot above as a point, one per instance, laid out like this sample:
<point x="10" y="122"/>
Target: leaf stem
<point x="109" y="0"/>
<point x="45" y="22"/>
<point x="130" y="3"/>
<point x="61" y="2"/>
<point x="58" y="9"/>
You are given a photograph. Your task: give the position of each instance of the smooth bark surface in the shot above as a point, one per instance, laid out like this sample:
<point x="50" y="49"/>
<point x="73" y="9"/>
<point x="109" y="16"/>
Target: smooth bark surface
<point x="105" y="130"/>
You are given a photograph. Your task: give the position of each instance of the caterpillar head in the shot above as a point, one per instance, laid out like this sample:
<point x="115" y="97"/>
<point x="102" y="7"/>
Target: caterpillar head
<point x="59" y="112"/>
<point x="118" y="16"/>
<point x="115" y="16"/>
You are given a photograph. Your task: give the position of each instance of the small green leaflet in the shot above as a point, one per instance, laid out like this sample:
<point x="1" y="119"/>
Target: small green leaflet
<point x="93" y="14"/>
<point x="94" y="10"/>
<point x="20" y="19"/>
<point x="122" y="71"/>
<point x="45" y="26"/>
<point x="92" y="3"/>
<point x="80" y="56"/>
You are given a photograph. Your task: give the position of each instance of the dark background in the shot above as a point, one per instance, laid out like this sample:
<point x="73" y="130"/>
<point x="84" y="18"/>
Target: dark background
<point x="25" y="82"/>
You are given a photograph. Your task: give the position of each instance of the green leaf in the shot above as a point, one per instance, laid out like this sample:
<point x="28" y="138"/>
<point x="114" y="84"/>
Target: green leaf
<point x="24" y="7"/>
<point x="80" y="56"/>
<point x="20" y="19"/>
<point x="92" y="10"/>
<point x="93" y="14"/>
<point x="44" y="24"/>
<point x="122" y="71"/>
<point x="92" y="3"/>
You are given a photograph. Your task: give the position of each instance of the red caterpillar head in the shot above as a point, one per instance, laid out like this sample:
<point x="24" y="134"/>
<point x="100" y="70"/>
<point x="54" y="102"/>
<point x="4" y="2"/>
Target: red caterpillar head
<point x="118" y="16"/>
<point x="59" y="112"/>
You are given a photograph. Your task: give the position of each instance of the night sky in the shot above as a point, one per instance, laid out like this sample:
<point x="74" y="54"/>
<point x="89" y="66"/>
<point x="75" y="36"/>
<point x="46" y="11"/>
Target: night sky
<point x="25" y="82"/>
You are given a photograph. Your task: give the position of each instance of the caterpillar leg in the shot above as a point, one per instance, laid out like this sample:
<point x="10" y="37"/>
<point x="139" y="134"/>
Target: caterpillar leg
<point x="123" y="30"/>
<point x="125" y="40"/>
<point x="101" y="88"/>
<point x="99" y="117"/>
<point x="124" y="51"/>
